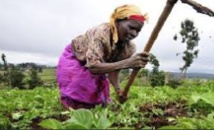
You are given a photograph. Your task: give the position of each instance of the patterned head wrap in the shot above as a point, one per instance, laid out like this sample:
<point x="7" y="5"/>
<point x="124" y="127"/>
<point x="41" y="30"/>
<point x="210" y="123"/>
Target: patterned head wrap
<point x="122" y="12"/>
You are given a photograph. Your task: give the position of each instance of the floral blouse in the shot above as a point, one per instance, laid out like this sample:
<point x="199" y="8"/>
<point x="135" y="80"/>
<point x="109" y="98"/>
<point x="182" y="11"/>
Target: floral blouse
<point x="96" y="46"/>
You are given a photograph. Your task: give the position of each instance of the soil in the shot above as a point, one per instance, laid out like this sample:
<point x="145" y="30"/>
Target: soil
<point x="172" y="109"/>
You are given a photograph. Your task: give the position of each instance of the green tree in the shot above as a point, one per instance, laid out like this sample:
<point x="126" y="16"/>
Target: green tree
<point x="154" y="61"/>
<point x="189" y="35"/>
<point x="17" y="77"/>
<point x="156" y="77"/>
<point x="34" y="80"/>
<point x="143" y="73"/>
<point x="6" y="77"/>
<point x="12" y="76"/>
<point x="3" y="57"/>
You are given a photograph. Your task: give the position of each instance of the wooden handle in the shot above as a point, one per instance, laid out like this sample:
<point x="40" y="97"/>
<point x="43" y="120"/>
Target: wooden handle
<point x="165" y="13"/>
<point x="199" y="8"/>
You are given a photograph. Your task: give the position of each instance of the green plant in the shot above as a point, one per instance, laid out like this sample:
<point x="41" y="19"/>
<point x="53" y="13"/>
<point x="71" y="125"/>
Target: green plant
<point x="175" y="82"/>
<point x="194" y="123"/>
<point x="34" y="80"/>
<point x="156" y="77"/>
<point x="80" y="119"/>
<point x="189" y="35"/>
<point x="16" y="76"/>
<point x="146" y="108"/>
<point x="202" y="102"/>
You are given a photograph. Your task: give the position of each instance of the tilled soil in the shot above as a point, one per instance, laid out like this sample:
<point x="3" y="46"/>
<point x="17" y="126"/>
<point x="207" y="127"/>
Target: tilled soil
<point x="172" y="109"/>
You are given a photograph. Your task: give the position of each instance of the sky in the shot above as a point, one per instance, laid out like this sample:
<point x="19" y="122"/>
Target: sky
<point x="38" y="30"/>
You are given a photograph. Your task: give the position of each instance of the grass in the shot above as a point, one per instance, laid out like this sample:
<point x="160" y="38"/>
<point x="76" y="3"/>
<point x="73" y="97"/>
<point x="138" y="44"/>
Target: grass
<point x="186" y="107"/>
<point x="47" y="75"/>
<point x="147" y="107"/>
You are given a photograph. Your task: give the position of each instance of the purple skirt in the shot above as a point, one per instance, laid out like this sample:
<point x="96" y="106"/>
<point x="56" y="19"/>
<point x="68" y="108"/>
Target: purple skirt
<point x="77" y="83"/>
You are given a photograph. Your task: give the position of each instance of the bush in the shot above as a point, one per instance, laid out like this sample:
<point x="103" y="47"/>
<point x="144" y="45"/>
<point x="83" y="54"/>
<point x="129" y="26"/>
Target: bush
<point x="34" y="80"/>
<point x="1" y="78"/>
<point x="16" y="77"/>
<point x="174" y="83"/>
<point x="157" y="78"/>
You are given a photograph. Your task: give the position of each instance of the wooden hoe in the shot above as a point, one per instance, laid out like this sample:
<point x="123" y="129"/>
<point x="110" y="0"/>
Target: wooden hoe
<point x="165" y="13"/>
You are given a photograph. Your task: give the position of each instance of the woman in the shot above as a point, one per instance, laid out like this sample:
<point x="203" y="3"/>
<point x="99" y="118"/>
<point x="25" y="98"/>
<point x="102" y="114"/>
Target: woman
<point x="96" y="57"/>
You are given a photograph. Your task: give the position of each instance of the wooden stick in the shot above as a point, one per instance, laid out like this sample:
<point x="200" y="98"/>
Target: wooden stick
<point x="165" y="13"/>
<point x="199" y="8"/>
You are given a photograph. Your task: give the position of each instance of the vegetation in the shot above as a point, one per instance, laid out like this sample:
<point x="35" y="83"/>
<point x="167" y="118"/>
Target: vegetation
<point x="30" y="98"/>
<point x="16" y="77"/>
<point x="34" y="80"/>
<point x="25" y="75"/>
<point x="189" y="35"/>
<point x="156" y="77"/>
<point x="186" y="107"/>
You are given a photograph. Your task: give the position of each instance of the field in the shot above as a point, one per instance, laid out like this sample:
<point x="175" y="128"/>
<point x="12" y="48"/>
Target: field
<point x="47" y="75"/>
<point x="190" y="106"/>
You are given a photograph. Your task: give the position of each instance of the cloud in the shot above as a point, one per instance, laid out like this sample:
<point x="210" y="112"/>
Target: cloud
<point x="39" y="30"/>
<point x="29" y="57"/>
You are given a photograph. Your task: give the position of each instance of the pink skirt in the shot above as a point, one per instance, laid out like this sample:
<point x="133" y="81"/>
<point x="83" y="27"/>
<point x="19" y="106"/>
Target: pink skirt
<point x="78" y="85"/>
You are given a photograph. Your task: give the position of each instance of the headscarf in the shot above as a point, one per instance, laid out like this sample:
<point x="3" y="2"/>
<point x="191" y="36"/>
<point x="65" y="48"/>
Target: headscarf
<point x="126" y="11"/>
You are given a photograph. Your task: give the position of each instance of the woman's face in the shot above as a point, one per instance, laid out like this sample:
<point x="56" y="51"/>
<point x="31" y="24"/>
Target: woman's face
<point x="128" y="29"/>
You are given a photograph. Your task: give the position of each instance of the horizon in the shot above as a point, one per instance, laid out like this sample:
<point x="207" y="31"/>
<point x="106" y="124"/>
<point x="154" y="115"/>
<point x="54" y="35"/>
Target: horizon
<point x="38" y="31"/>
<point x="48" y="65"/>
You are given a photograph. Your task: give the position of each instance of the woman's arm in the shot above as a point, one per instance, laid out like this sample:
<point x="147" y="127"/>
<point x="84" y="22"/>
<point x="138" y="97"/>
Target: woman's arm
<point x="136" y="61"/>
<point x="114" y="79"/>
<point x="101" y="68"/>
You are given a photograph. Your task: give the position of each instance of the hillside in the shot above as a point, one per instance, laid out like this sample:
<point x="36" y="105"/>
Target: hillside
<point x="195" y="75"/>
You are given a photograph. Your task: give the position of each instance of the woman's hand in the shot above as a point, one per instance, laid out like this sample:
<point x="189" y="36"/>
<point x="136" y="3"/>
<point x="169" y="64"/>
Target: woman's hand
<point x="139" y="60"/>
<point x="135" y="62"/>
<point x="121" y="98"/>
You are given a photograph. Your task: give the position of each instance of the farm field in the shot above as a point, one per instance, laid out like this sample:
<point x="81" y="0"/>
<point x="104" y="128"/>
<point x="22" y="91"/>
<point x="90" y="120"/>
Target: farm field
<point x="176" y="90"/>
<point x="47" y="74"/>
<point x="190" y="106"/>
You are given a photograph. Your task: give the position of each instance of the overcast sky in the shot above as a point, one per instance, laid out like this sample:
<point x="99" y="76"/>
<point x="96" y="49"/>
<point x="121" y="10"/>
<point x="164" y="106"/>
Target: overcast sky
<point x="38" y="30"/>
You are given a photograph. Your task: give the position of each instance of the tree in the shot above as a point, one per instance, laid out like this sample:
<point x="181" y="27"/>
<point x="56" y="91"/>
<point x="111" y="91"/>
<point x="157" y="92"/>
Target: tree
<point x="143" y="73"/>
<point x="156" y="76"/>
<point x="189" y="35"/>
<point x="6" y="77"/>
<point x="154" y="61"/>
<point x="12" y="76"/>
<point x="17" y="77"/>
<point x="3" y="57"/>
<point x="34" y="80"/>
